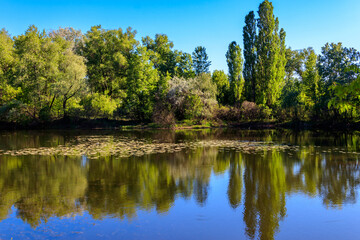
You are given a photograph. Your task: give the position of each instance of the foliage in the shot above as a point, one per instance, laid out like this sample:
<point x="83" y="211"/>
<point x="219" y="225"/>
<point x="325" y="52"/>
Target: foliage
<point x="205" y="89"/>
<point x="37" y="70"/>
<point x="347" y="98"/>
<point x="108" y="73"/>
<point x="294" y="64"/>
<point x="235" y="64"/>
<point x="250" y="111"/>
<point x="7" y="69"/>
<point x="335" y="64"/>
<point x="184" y="67"/>
<point x="163" y="115"/>
<point x="99" y="105"/>
<point x="162" y="55"/>
<point x="310" y="82"/>
<point x="141" y="84"/>
<point x="270" y="61"/>
<point x="192" y="98"/>
<point x="72" y="70"/>
<point x="107" y="54"/>
<point x="337" y="67"/>
<point x="249" y="36"/>
<point x="223" y="87"/>
<point x="200" y="60"/>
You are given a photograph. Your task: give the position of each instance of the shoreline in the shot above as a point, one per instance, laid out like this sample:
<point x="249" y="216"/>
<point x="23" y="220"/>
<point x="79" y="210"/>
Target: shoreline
<point x="106" y="124"/>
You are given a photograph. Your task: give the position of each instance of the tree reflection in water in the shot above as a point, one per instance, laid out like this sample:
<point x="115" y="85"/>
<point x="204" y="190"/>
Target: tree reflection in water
<point x="42" y="187"/>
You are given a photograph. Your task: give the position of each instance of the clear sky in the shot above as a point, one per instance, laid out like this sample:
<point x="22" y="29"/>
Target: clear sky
<point x="212" y="23"/>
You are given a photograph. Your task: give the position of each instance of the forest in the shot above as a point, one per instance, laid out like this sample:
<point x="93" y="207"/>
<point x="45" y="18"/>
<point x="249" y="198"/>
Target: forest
<point x="108" y="74"/>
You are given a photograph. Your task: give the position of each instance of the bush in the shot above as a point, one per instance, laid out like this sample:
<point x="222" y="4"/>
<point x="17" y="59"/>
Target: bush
<point x="226" y="113"/>
<point x="14" y="111"/>
<point x="249" y="110"/>
<point x="192" y="98"/>
<point x="99" y="105"/>
<point x="74" y="109"/>
<point x="193" y="107"/>
<point x="265" y="112"/>
<point x="163" y="115"/>
<point x="45" y="114"/>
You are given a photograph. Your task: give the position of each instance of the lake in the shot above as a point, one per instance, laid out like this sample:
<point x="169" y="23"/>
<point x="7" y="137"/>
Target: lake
<point x="186" y="184"/>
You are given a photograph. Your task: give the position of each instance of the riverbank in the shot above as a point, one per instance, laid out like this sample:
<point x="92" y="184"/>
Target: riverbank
<point x="130" y="124"/>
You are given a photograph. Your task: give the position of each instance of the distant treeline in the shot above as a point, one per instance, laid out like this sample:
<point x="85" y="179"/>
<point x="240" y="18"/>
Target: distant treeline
<point x="109" y="74"/>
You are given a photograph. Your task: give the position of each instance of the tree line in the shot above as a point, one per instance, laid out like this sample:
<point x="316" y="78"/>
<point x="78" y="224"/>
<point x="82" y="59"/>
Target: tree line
<point x="109" y="74"/>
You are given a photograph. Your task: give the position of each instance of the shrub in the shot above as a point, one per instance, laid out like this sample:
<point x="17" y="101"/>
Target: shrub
<point x="74" y="109"/>
<point x="227" y="113"/>
<point x="193" y="107"/>
<point x="14" y="111"/>
<point x="192" y="98"/>
<point x="265" y="112"/>
<point x="249" y="110"/>
<point x="163" y="115"/>
<point x="45" y="114"/>
<point x="99" y="105"/>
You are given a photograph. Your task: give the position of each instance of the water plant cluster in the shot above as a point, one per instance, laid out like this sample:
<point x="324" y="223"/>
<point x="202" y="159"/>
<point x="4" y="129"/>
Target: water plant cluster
<point x="95" y="146"/>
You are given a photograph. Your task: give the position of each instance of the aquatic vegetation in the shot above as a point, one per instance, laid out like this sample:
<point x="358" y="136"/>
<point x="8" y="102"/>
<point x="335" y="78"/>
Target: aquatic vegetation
<point x="95" y="146"/>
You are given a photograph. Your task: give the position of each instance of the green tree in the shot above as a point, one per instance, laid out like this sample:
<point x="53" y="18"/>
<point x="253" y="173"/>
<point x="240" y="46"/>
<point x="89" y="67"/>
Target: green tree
<point x="99" y="105"/>
<point x="205" y="89"/>
<point x="163" y="57"/>
<point x="142" y="80"/>
<point x="7" y="69"/>
<point x="70" y="82"/>
<point x="290" y="97"/>
<point x="70" y="35"/>
<point x="235" y="64"/>
<point x="281" y="66"/>
<point x="337" y="67"/>
<point x="310" y="81"/>
<point x="200" y="59"/>
<point x="249" y="38"/>
<point x="271" y="61"/>
<point x="335" y="64"/>
<point x="107" y="54"/>
<point x="294" y="64"/>
<point x="192" y="98"/>
<point x="184" y="67"/>
<point x="346" y="98"/>
<point x="38" y="69"/>
<point x="222" y="82"/>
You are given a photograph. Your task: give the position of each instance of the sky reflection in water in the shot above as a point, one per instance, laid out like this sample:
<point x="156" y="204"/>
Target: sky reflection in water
<point x="207" y="192"/>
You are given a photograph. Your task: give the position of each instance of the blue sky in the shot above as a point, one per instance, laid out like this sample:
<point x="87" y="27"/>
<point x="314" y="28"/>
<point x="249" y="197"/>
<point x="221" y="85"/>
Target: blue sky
<point x="212" y="23"/>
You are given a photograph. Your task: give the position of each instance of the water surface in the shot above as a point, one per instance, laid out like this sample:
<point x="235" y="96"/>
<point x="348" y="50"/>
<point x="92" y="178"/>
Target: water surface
<point x="300" y="185"/>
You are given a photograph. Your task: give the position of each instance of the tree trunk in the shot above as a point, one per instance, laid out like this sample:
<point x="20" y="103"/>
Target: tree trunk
<point x="64" y="109"/>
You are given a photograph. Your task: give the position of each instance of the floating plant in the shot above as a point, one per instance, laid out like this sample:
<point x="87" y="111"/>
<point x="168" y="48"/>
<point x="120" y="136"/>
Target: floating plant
<point x="93" y="147"/>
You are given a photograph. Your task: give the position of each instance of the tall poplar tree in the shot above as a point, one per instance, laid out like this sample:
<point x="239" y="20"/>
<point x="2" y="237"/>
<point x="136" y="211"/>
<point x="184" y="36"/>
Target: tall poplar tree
<point x="270" y="61"/>
<point x="279" y="82"/>
<point x="235" y="63"/>
<point x="249" y="36"/>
